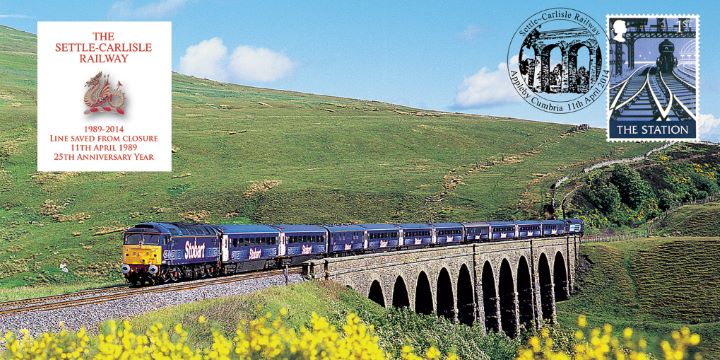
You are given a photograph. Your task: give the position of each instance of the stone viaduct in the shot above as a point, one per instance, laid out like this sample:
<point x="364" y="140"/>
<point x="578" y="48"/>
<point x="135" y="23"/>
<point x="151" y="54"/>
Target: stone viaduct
<point x="503" y="285"/>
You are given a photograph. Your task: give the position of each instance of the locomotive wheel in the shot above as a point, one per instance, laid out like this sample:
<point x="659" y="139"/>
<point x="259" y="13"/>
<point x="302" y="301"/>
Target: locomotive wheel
<point x="173" y="275"/>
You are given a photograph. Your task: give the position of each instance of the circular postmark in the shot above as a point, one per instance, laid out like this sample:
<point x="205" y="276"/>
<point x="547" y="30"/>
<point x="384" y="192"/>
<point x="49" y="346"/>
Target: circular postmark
<point x="556" y="60"/>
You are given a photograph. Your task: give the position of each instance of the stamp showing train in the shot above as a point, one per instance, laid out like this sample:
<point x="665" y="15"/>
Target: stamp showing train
<point x="654" y="63"/>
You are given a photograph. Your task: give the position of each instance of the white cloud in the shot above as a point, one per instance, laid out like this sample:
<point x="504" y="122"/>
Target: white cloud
<point x="209" y="59"/>
<point x="206" y="59"/>
<point x="13" y="16"/>
<point x="709" y="127"/>
<point x="470" y="32"/>
<point x="161" y="8"/>
<point x="259" y="64"/>
<point x="487" y="88"/>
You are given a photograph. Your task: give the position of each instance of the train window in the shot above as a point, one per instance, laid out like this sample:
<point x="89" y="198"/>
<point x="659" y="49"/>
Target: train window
<point x="142" y="239"/>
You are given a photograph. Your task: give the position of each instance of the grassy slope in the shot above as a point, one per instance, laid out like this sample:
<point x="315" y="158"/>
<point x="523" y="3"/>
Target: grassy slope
<point x="692" y="220"/>
<point x="653" y="285"/>
<point x="394" y="327"/>
<point x="337" y="160"/>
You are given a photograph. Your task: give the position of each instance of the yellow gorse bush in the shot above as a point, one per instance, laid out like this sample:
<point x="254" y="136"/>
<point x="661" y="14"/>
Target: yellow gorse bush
<point x="265" y="337"/>
<point x="602" y="343"/>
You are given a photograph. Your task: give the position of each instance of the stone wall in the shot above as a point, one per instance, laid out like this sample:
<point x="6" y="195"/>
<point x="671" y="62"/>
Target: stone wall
<point x="518" y="281"/>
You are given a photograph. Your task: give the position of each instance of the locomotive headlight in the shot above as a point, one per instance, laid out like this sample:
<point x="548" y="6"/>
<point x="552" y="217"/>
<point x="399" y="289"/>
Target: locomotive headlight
<point x="125" y="268"/>
<point x="153" y="269"/>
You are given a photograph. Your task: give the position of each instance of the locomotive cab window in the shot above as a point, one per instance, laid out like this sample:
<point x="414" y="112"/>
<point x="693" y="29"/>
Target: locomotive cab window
<point x="142" y="239"/>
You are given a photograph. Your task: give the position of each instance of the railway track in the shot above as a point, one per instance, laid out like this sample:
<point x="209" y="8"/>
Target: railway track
<point x="74" y="299"/>
<point x="51" y="298"/>
<point x="651" y="93"/>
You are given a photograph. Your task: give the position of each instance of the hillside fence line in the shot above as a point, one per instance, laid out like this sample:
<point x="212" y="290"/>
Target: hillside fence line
<point x="650" y="223"/>
<point x="608" y="238"/>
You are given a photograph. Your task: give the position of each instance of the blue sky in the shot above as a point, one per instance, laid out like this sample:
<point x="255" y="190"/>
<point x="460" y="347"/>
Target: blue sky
<point x="416" y="53"/>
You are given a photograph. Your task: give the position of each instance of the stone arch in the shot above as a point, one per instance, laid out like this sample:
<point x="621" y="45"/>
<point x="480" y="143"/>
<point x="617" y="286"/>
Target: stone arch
<point x="546" y="67"/>
<point x="508" y="300"/>
<point x="423" y="295"/>
<point x="400" y="293"/>
<point x="547" y="298"/>
<point x="490" y="303"/>
<point x="465" y="298"/>
<point x="562" y="291"/>
<point x="527" y="64"/>
<point x="576" y="81"/>
<point x="525" y="294"/>
<point x="376" y="293"/>
<point x="595" y="73"/>
<point x="445" y="297"/>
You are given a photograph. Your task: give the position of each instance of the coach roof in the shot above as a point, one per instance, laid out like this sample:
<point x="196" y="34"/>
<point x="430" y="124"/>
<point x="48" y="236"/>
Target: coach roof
<point x="300" y="228"/>
<point x="415" y="226"/>
<point x="528" y="222"/>
<point x="501" y="223"/>
<point x="476" y="224"/>
<point x="247" y="228"/>
<point x="380" y="226"/>
<point x="447" y="225"/>
<point x="338" y="228"/>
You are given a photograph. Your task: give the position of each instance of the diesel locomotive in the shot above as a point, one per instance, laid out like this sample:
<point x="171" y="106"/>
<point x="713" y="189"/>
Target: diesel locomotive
<point x="159" y="252"/>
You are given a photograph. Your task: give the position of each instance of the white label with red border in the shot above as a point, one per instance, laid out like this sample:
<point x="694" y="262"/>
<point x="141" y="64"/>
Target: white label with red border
<point x="104" y="96"/>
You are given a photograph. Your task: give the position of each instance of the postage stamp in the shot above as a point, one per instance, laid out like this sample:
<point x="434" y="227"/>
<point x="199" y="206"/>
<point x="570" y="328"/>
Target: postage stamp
<point x="654" y="64"/>
<point x="555" y="60"/>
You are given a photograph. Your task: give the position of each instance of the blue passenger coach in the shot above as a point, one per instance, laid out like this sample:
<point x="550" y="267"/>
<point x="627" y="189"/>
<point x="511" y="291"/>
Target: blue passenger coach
<point x="447" y="233"/>
<point x="249" y="247"/>
<point x="553" y="227"/>
<point x="477" y="231"/>
<point x="303" y="242"/>
<point x="346" y="239"/>
<point x="382" y="236"/>
<point x="502" y="230"/>
<point x="416" y="234"/>
<point x="529" y="228"/>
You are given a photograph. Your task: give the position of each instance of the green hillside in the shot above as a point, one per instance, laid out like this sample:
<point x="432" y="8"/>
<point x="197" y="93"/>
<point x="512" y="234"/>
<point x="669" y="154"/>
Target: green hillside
<point x="653" y="285"/>
<point x="246" y="154"/>
<point x="626" y="197"/>
<point x="691" y="220"/>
